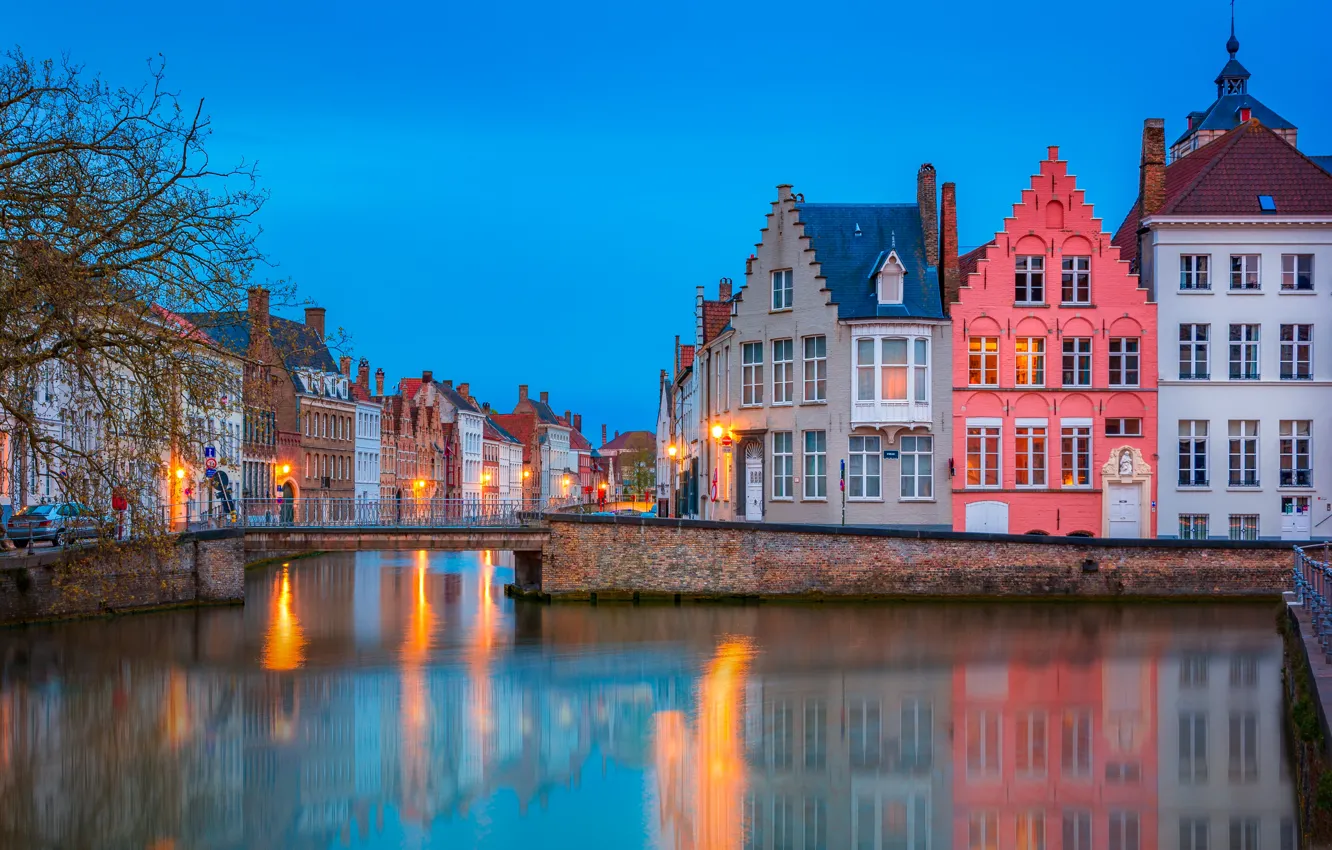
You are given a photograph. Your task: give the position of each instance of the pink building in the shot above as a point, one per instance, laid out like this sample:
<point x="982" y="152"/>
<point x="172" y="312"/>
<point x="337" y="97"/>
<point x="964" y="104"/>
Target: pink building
<point x="1054" y="375"/>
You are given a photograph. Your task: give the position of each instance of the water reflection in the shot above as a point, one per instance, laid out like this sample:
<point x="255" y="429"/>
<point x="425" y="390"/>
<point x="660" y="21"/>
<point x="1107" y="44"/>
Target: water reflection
<point x="400" y="699"/>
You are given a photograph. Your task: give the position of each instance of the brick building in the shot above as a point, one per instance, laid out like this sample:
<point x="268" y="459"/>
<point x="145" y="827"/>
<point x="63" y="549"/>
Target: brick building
<point x="1054" y="374"/>
<point x="549" y="473"/>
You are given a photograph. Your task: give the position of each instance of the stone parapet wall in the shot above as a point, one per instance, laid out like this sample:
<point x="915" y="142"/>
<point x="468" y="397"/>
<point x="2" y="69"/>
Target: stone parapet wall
<point x="47" y="584"/>
<point x="621" y="556"/>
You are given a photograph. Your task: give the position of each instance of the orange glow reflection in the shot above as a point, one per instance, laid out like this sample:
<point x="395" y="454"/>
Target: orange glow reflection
<point x="284" y="643"/>
<point x="721" y="762"/>
<point x="177" y="708"/>
<point x="416" y="702"/>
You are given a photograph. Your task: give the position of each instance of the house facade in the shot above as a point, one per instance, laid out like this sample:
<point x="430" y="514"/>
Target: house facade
<point x="549" y="474"/>
<point x="1054" y="375"/>
<point x="827" y="393"/>
<point x="1234" y="240"/>
<point x="368" y="431"/>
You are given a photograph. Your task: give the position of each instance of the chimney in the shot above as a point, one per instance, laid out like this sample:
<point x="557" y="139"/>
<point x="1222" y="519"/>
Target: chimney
<point x="604" y="441"/>
<point x="314" y="318"/>
<point x="485" y="407"/>
<point x="617" y="435"/>
<point x="927" y="198"/>
<point x="379" y="382"/>
<point x="545" y="397"/>
<point x="258" y="308"/>
<point x="677" y="356"/>
<point x="784" y="192"/>
<point x="1151" y="178"/>
<point x="363" y="374"/>
<point x="463" y="391"/>
<point x="950" y="269"/>
<point x="724" y="289"/>
<point x="448" y="385"/>
<point x="427" y="376"/>
<point x="344" y="364"/>
<point x="578" y="422"/>
<point x="568" y="417"/>
<point x="522" y="393"/>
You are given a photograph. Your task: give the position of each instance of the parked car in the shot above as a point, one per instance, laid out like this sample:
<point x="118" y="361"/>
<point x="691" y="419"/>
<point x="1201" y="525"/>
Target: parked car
<point x="57" y="524"/>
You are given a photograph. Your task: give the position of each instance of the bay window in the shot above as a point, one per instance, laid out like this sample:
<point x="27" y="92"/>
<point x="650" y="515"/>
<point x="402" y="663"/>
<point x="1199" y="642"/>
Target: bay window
<point x="892" y="369"/>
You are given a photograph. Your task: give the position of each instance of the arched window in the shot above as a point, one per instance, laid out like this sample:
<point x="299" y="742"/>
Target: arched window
<point x="307" y="464"/>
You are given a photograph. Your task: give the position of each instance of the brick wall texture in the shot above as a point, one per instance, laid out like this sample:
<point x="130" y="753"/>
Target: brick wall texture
<point x="52" y="584"/>
<point x="665" y="557"/>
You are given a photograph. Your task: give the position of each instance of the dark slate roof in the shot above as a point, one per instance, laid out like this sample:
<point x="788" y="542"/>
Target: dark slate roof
<point x="457" y="399"/>
<point x="848" y="262"/>
<point x="231" y="330"/>
<point x="296" y="342"/>
<point x="1226" y="176"/>
<point x="1224" y="114"/>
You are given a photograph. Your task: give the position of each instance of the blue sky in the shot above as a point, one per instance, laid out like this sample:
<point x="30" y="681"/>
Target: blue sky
<point x="525" y="192"/>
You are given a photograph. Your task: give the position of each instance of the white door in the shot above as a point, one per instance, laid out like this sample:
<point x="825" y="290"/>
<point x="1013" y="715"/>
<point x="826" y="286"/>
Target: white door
<point x="1125" y="510"/>
<point x="988" y="517"/>
<point x="753" y="482"/>
<point x="1295" y="518"/>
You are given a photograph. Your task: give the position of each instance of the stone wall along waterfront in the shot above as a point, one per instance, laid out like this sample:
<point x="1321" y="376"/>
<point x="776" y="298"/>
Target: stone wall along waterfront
<point x="47" y="584"/>
<point x="617" y="557"/>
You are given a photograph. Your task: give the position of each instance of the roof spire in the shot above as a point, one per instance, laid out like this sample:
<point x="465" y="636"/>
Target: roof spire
<point x="1232" y="46"/>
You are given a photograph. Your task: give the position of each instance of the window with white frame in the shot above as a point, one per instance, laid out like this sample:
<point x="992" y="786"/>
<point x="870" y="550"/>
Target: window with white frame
<point x="865" y="731"/>
<point x="983" y="361"/>
<point x="1297" y="273"/>
<point x="1193" y="526"/>
<point x="863" y="469"/>
<point x="1030" y="352"/>
<point x="1194" y="271"/>
<point x="781" y="290"/>
<point x="1124" y="361"/>
<point x="816" y="824"/>
<point x="1244" y="272"/>
<point x="1193" y="340"/>
<point x="917" y="467"/>
<point x="890" y="281"/>
<point x="1192" y="453"/>
<point x="751" y="378"/>
<point x="1030" y="744"/>
<point x="816" y="464"/>
<point x="816" y="734"/>
<point x="1123" y="427"/>
<point x="895" y="356"/>
<point x="783" y="371"/>
<point x="1193" y="748"/>
<point x="1076" y="282"/>
<point x="1125" y="832"/>
<point x="1244" y="834"/>
<point x="865" y="368"/>
<point x="1076" y="742"/>
<point x="892" y="369"/>
<point x="983" y="454"/>
<point x="1077" y="361"/>
<point x="726" y="369"/>
<point x="1243" y="526"/>
<point x="983" y="743"/>
<point x="1243" y="747"/>
<point x="1297" y="352"/>
<point x="1077" y="829"/>
<point x="1030" y="279"/>
<point x="920" y="369"/>
<point x="983" y="830"/>
<point x="1031" y="830"/>
<point x="1243" y="452"/>
<point x="1029" y="454"/>
<point x="816" y="368"/>
<point x="917" y="742"/>
<point x="1244" y="341"/>
<point x="783" y="465"/>
<point x="1296" y="468"/>
<point x="1075" y="453"/>
<point x="1193" y="834"/>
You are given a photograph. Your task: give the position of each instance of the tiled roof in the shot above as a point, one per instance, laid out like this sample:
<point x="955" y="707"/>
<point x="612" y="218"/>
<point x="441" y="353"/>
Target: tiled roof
<point x="496" y="434"/>
<point x="970" y="261"/>
<point x="359" y="392"/>
<point x="632" y="441"/>
<point x="409" y="387"/>
<point x="1226" y="176"/>
<point x="457" y="399"/>
<point x="518" y="425"/>
<point x="296" y="342"/>
<point x="849" y="262"/>
<point x="716" y="315"/>
<point x="578" y="441"/>
<point x="686" y="358"/>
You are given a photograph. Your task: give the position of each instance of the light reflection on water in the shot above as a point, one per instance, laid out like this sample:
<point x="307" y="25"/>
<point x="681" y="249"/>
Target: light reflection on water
<point x="399" y="699"/>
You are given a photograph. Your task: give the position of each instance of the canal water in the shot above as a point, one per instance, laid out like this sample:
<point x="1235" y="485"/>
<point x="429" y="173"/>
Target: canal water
<point x="400" y="700"/>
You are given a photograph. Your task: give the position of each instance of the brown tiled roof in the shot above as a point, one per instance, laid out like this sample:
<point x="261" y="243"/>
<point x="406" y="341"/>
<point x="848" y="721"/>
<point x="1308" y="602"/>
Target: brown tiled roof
<point x="971" y="259"/>
<point x="578" y="441"/>
<point x="520" y="425"/>
<point x="686" y="357"/>
<point x="1226" y="176"/>
<point x="716" y="314"/>
<point x="631" y="441"/>
<point x="495" y="432"/>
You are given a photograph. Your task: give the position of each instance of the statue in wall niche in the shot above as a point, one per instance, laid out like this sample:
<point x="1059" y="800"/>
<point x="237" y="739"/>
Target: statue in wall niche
<point x="1126" y="462"/>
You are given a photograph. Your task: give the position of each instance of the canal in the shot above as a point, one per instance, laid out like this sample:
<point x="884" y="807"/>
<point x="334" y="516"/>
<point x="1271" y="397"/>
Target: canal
<point x="400" y="700"/>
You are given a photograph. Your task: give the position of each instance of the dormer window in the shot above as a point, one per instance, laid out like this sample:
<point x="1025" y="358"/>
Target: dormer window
<point x="891" y="280"/>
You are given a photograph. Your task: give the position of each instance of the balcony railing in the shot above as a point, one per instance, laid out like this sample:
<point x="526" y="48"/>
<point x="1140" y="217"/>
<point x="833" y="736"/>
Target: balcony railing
<point x="1243" y="373"/>
<point x="1193" y="479"/>
<point x="1243" y="479"/>
<point x="1296" y="376"/>
<point x="1194" y="376"/>
<point x="890" y="412"/>
<point x="1296" y="478"/>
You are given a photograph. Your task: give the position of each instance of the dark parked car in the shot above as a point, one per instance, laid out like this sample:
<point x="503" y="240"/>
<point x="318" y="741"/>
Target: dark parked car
<point x="58" y="524"/>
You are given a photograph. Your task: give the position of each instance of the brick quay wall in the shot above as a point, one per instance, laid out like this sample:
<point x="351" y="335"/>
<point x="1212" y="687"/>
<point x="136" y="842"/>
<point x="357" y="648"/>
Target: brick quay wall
<point x="203" y="567"/>
<point x="620" y="557"/>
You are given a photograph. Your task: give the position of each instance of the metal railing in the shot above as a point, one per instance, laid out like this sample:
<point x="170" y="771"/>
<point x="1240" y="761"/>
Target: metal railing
<point x="316" y="512"/>
<point x="1313" y="587"/>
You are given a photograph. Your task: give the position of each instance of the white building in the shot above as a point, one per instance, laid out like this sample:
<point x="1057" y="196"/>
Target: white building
<point x="504" y="462"/>
<point x="1234" y="242"/>
<point x="368" y="414"/>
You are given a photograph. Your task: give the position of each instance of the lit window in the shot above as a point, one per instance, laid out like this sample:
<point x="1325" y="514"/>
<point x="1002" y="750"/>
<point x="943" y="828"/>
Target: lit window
<point x="983" y="361"/>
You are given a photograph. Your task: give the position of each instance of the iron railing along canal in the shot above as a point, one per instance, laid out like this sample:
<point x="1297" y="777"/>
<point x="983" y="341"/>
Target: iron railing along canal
<point x="318" y="512"/>
<point x="1313" y="586"/>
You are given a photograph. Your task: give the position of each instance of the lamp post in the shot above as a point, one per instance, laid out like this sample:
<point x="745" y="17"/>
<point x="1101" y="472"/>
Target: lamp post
<point x="671" y="451"/>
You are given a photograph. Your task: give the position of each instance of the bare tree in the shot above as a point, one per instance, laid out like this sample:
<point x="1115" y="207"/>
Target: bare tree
<point x="114" y="224"/>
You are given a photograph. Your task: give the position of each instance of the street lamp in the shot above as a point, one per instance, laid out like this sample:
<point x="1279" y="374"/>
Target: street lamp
<point x="671" y="450"/>
<point x="716" y="432"/>
<point x="180" y="473"/>
<point x="286" y="469"/>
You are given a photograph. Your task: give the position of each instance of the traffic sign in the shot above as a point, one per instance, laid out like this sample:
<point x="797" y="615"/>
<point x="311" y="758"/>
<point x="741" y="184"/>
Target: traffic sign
<point x="210" y="471"/>
<point x="210" y="463"/>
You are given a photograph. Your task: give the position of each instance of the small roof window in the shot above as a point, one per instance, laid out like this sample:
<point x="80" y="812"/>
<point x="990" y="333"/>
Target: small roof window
<point x="1266" y="203"/>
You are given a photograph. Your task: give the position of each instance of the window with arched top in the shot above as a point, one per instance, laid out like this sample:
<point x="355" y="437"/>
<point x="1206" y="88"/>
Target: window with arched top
<point x="1054" y="215"/>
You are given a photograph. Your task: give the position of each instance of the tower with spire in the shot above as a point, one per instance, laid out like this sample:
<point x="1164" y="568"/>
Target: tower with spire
<point x="1234" y="105"/>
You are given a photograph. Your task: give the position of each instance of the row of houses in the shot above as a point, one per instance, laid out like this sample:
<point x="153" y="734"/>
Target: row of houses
<point x="292" y="421"/>
<point x="1058" y="379"/>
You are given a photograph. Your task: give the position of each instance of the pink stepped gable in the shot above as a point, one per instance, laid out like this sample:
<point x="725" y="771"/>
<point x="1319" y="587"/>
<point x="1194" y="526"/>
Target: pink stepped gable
<point x="1054" y="375"/>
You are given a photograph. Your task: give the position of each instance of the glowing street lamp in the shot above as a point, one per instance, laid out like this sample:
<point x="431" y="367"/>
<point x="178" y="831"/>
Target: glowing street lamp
<point x="486" y="478"/>
<point x="286" y="468"/>
<point x="671" y="450"/>
<point x="180" y="472"/>
<point x="716" y="432"/>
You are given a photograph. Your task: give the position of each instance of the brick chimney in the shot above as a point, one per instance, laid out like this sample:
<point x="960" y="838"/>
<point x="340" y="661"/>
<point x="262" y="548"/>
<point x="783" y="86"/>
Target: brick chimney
<point x="950" y="268"/>
<point x="344" y="364"/>
<point x="363" y="374"/>
<point x="257" y="308"/>
<point x="604" y="441"/>
<point x="522" y="393"/>
<point x="463" y="391"/>
<point x="724" y="289"/>
<point x="379" y="382"/>
<point x="677" y="357"/>
<point x="578" y="422"/>
<point x="448" y="385"/>
<point x="314" y="318"/>
<point x="927" y="199"/>
<point x="427" y="376"/>
<point x="545" y="397"/>
<point x="1151" y="176"/>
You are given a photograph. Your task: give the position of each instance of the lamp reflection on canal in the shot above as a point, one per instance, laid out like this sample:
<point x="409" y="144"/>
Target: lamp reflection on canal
<point x="416" y="701"/>
<point x="284" y="643"/>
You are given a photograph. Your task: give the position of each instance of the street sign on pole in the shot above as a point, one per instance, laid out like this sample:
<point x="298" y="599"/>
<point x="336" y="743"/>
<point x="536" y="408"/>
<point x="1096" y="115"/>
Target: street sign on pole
<point x="210" y="451"/>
